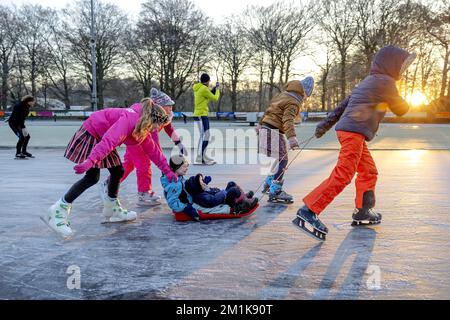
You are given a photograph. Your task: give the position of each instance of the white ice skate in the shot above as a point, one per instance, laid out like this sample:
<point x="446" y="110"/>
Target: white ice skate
<point x="56" y="218"/>
<point x="207" y="160"/>
<point x="113" y="211"/>
<point x="148" y="198"/>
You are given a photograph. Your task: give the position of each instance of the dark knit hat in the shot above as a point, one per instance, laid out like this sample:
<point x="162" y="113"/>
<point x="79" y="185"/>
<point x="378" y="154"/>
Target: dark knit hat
<point x="176" y="162"/>
<point x="204" y="78"/>
<point x="27" y="98"/>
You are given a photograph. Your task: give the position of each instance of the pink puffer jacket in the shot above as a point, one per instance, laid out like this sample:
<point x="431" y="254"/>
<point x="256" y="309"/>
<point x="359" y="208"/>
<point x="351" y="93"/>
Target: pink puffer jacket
<point x="115" y="126"/>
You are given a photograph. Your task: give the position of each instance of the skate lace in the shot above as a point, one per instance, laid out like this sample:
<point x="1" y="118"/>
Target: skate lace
<point x="122" y="210"/>
<point x="65" y="219"/>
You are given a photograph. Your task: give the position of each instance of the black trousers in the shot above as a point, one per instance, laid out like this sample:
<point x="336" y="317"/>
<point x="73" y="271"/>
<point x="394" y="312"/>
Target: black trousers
<point x="22" y="144"/>
<point x="91" y="177"/>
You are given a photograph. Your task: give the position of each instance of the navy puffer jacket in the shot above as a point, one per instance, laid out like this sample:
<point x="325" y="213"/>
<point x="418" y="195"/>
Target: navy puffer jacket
<point x="362" y="111"/>
<point x="209" y="198"/>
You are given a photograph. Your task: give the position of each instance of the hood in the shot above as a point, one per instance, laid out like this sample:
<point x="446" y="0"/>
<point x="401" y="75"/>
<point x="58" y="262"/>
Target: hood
<point x="391" y="61"/>
<point x="193" y="186"/>
<point x="296" y="87"/>
<point x="197" y="86"/>
<point x="136" y="107"/>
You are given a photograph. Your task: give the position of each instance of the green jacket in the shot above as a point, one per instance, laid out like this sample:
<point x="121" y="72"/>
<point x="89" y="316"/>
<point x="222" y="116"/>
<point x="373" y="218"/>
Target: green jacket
<point x="202" y="95"/>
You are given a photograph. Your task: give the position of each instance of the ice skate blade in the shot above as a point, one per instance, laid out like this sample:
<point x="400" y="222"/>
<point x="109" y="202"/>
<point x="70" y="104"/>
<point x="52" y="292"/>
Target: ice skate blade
<point x="364" y="223"/>
<point x="316" y="234"/>
<point x="109" y="220"/>
<point x="280" y="201"/>
<point x="149" y="204"/>
<point x="56" y="232"/>
<point x="20" y="158"/>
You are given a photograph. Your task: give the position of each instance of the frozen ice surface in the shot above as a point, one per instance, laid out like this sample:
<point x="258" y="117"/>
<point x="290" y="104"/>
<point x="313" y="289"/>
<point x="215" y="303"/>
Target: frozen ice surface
<point x="407" y="256"/>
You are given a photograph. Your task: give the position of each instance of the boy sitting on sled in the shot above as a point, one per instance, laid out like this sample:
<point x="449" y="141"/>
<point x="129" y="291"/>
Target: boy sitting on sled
<point x="219" y="200"/>
<point x="179" y="198"/>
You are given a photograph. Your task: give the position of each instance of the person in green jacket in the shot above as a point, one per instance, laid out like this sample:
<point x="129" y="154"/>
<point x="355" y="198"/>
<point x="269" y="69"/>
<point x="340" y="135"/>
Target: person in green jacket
<point x="202" y="95"/>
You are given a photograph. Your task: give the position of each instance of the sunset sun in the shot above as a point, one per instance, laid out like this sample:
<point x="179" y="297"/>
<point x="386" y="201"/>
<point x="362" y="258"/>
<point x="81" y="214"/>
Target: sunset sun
<point x="417" y="99"/>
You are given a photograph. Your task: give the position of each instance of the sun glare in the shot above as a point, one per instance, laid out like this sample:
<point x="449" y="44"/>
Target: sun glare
<point x="417" y="99"/>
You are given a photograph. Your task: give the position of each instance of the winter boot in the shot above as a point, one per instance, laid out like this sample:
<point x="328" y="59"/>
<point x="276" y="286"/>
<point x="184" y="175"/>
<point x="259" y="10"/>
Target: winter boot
<point x="276" y="194"/>
<point x="148" y="198"/>
<point x="366" y="215"/>
<point x="245" y="206"/>
<point x="57" y="218"/>
<point x="113" y="211"/>
<point x="305" y="217"/>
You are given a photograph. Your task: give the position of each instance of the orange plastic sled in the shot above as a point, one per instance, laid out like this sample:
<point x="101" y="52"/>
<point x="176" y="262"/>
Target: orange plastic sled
<point x="181" y="216"/>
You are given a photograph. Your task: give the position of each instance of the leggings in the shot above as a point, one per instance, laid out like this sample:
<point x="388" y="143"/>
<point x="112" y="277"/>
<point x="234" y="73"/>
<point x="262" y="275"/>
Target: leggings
<point x="203" y="126"/>
<point x="91" y="177"/>
<point x="22" y="144"/>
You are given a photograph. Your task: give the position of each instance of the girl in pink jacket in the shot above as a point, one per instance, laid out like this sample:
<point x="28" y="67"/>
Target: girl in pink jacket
<point x="135" y="157"/>
<point x="93" y="147"/>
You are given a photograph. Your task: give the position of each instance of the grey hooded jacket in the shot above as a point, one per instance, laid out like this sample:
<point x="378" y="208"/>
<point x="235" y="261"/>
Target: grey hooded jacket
<point x="362" y="111"/>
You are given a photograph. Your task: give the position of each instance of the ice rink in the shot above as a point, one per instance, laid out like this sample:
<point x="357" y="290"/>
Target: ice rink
<point x="262" y="257"/>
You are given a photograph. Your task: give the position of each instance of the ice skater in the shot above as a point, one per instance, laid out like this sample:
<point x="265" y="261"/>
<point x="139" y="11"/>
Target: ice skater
<point x="358" y="118"/>
<point x="202" y="96"/>
<point x="275" y="126"/>
<point x="93" y="147"/>
<point x="135" y="156"/>
<point x="17" y="124"/>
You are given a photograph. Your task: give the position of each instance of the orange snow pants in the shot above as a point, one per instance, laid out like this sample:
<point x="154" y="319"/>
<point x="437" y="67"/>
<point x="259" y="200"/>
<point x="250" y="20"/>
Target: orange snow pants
<point x="354" y="157"/>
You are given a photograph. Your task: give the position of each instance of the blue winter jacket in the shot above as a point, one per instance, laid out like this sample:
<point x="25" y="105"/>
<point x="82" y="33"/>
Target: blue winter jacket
<point x="173" y="191"/>
<point x="362" y="111"/>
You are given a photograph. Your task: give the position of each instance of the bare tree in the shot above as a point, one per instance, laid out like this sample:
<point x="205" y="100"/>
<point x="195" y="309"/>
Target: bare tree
<point x="10" y="30"/>
<point x="373" y="18"/>
<point x="35" y="21"/>
<point x="298" y="23"/>
<point x="439" y="29"/>
<point x="178" y="32"/>
<point x="233" y="49"/>
<point x="59" y="61"/>
<point x="142" y="58"/>
<point x="339" y="23"/>
<point x="111" y="24"/>
<point x="265" y="28"/>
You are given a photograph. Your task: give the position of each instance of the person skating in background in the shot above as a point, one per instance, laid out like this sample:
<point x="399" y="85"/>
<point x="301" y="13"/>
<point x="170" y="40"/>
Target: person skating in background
<point x="135" y="157"/>
<point x="202" y="96"/>
<point x="17" y="124"/>
<point x="274" y="127"/>
<point x="93" y="147"/>
<point x="358" y="118"/>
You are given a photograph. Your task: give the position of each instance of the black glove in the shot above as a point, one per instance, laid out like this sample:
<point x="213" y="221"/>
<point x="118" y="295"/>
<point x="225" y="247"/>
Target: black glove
<point x="191" y="212"/>
<point x="320" y="132"/>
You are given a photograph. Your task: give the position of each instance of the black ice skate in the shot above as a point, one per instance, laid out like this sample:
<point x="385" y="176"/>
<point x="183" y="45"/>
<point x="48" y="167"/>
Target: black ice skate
<point x="20" y="156"/>
<point x="27" y="154"/>
<point x="308" y="222"/>
<point x="366" y="215"/>
<point x="277" y="195"/>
